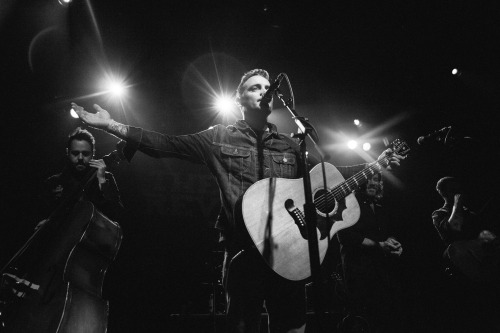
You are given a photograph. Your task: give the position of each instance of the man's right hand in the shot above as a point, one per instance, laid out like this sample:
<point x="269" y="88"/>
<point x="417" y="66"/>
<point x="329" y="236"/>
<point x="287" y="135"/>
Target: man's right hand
<point x="458" y="199"/>
<point x="100" y="119"/>
<point x="385" y="246"/>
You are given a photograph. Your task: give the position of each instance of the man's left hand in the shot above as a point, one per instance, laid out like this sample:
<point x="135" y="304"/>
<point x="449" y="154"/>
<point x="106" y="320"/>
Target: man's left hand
<point x="393" y="159"/>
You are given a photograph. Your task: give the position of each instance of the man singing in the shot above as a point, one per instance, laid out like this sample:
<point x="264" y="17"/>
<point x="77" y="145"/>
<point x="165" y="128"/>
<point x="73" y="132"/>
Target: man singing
<point x="237" y="155"/>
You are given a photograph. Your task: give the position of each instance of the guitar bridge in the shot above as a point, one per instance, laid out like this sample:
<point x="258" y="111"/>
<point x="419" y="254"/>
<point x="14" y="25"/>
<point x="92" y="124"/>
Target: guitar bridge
<point x="298" y="216"/>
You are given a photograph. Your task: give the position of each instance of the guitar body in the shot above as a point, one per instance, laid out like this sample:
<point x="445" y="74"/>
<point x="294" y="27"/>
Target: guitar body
<point x="282" y="241"/>
<point x="272" y="212"/>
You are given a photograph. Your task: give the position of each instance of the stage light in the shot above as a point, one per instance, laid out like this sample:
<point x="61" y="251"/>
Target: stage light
<point x="73" y="113"/>
<point x="224" y="104"/>
<point x="456" y="72"/>
<point x="64" y="2"/>
<point x="352" y="144"/>
<point x="357" y="122"/>
<point x="116" y="88"/>
<point x="367" y="146"/>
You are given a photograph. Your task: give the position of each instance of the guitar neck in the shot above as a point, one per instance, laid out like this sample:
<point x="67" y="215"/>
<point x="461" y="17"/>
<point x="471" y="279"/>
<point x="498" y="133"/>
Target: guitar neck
<point x="352" y="183"/>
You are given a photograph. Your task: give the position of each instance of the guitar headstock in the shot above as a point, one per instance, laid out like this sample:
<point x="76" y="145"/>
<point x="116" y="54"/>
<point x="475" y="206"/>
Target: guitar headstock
<point x="400" y="147"/>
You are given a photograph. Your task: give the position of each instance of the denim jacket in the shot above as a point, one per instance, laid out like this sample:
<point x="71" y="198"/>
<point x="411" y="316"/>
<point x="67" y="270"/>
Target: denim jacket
<point x="235" y="156"/>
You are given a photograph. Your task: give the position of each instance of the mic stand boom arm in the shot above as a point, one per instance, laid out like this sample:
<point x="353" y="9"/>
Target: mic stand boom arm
<point x="306" y="128"/>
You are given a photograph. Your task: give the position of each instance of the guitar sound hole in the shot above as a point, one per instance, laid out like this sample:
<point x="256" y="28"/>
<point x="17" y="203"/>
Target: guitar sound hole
<point x="324" y="203"/>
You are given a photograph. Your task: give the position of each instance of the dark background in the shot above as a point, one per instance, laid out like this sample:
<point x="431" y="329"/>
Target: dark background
<point x="388" y="64"/>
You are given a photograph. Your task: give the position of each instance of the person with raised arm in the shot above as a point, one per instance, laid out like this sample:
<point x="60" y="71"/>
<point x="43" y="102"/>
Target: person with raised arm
<point x="237" y="155"/>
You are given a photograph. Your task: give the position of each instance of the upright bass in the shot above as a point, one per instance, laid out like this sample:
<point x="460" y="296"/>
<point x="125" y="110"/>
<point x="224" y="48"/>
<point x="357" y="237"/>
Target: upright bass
<point x="53" y="284"/>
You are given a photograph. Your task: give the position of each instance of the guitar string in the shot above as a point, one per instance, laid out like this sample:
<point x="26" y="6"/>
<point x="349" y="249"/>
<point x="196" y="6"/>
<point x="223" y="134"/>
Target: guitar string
<point x="326" y="200"/>
<point x="360" y="176"/>
<point x="339" y="189"/>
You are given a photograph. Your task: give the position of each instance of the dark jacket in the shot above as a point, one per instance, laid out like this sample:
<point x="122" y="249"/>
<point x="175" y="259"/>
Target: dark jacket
<point x="235" y="156"/>
<point x="105" y="198"/>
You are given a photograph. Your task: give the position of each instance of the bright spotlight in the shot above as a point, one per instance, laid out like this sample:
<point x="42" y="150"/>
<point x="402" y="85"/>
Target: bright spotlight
<point x="116" y="88"/>
<point x="224" y="104"/>
<point x="352" y="144"/>
<point x="456" y="72"/>
<point x="64" y="2"/>
<point x="357" y="122"/>
<point x="367" y="146"/>
<point x="73" y="113"/>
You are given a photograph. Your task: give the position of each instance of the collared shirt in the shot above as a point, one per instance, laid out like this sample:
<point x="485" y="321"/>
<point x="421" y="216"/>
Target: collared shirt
<point x="236" y="155"/>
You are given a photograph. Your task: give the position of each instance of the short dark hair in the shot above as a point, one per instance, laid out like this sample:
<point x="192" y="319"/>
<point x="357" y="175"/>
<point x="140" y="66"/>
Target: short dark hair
<point x="81" y="134"/>
<point x="249" y="74"/>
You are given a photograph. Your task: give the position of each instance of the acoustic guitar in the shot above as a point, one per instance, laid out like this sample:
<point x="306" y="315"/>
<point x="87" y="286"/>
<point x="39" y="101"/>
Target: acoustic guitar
<point x="273" y="214"/>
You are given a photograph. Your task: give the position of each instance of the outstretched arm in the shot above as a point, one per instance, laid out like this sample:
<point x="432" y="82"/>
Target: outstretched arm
<point x="101" y="120"/>
<point x="192" y="147"/>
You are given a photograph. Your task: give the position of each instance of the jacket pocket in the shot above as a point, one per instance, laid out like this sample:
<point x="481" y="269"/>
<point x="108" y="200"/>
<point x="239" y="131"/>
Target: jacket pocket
<point x="236" y="160"/>
<point x="284" y="165"/>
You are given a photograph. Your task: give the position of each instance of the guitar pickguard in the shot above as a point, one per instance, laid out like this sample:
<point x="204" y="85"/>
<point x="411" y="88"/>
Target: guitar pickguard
<point x="325" y="224"/>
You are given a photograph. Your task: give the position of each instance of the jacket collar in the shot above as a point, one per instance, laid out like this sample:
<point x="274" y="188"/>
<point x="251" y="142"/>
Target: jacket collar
<point x="243" y="126"/>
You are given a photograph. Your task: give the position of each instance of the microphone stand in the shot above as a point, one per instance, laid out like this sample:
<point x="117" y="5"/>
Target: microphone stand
<point x="306" y="129"/>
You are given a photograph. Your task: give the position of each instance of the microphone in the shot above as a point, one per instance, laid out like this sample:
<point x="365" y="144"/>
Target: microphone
<point x="273" y="87"/>
<point x="436" y="136"/>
